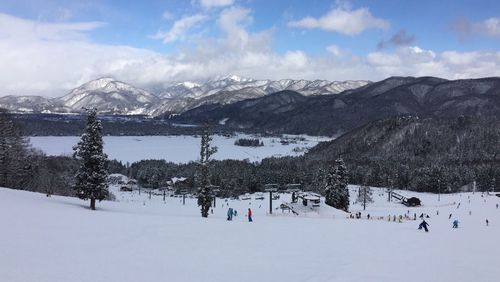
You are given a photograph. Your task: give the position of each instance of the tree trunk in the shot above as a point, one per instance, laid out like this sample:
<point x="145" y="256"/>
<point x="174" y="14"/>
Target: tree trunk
<point x="92" y="204"/>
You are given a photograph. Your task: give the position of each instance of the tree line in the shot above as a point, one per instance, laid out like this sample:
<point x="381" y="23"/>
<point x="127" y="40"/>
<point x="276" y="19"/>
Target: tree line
<point x="429" y="155"/>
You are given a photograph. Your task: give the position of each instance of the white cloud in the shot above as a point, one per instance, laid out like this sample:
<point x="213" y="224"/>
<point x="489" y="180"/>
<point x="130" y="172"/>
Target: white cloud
<point x="167" y="15"/>
<point x="334" y="49"/>
<point x="343" y="20"/>
<point x="491" y="27"/>
<point x="11" y="27"/>
<point x="216" y="3"/>
<point x="488" y="28"/>
<point x="415" y="61"/>
<point x="179" y="28"/>
<point x="49" y="59"/>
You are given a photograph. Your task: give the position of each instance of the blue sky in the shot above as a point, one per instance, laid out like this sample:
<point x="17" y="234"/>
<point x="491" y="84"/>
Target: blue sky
<point x="151" y="43"/>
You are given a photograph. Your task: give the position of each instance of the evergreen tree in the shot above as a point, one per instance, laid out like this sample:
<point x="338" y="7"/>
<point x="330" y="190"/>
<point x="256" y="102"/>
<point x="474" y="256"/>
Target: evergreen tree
<point x="90" y="180"/>
<point x="364" y="195"/>
<point x="14" y="151"/>
<point x="204" y="192"/>
<point x="336" y="191"/>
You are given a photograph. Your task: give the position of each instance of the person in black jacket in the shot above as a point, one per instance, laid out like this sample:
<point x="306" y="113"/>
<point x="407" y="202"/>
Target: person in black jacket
<point x="424" y="225"/>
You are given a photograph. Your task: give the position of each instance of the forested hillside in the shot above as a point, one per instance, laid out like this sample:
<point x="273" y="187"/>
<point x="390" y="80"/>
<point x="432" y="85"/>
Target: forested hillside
<point x="421" y="154"/>
<point x="288" y="112"/>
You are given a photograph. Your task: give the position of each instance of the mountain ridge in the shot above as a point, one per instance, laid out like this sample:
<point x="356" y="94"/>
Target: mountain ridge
<point x="396" y="96"/>
<point x="112" y="96"/>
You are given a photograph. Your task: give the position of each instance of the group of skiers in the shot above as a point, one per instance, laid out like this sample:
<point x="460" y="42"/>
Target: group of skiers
<point x="424" y="224"/>
<point x="233" y="212"/>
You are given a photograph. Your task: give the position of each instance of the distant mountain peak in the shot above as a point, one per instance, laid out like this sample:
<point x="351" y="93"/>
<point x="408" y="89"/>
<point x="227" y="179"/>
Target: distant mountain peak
<point x="188" y="84"/>
<point x="232" y="77"/>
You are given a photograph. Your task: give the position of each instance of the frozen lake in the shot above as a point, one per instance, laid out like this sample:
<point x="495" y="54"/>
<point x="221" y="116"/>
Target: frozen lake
<point x="178" y="149"/>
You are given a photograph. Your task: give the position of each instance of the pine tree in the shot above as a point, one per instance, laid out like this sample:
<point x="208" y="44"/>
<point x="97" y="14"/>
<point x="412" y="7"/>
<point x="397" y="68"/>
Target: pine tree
<point x="364" y="195"/>
<point x="336" y="191"/>
<point x="14" y="150"/>
<point x="204" y="192"/>
<point x="90" y="180"/>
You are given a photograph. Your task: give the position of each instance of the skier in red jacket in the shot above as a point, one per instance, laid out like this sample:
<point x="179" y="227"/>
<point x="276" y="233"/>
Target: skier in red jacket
<point x="249" y="215"/>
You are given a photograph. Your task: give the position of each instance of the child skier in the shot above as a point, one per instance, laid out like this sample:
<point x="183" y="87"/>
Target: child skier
<point x="455" y="223"/>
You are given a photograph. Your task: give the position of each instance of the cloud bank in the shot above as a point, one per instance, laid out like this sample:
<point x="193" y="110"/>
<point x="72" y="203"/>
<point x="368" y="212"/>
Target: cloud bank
<point x="343" y="20"/>
<point x="48" y="59"/>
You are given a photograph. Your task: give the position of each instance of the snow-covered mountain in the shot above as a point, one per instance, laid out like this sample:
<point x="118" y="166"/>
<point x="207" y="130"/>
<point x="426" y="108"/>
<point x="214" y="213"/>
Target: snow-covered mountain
<point x="31" y="104"/>
<point x="230" y="89"/>
<point x="115" y="97"/>
<point x="109" y="96"/>
<point x="235" y="83"/>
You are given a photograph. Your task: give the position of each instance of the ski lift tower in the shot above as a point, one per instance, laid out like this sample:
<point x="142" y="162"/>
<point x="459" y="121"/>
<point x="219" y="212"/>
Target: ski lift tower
<point x="183" y="193"/>
<point x="271" y="188"/>
<point x="215" y="189"/>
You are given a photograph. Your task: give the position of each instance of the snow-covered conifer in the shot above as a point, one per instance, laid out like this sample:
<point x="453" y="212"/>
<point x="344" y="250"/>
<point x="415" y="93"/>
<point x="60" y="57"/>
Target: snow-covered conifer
<point x="90" y="182"/>
<point x="204" y="192"/>
<point x="336" y="191"/>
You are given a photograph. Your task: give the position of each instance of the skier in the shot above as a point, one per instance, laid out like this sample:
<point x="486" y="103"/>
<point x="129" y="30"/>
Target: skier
<point x="487" y="222"/>
<point x="424" y="225"/>
<point x="458" y="205"/>
<point x="497" y="206"/>
<point x="230" y="214"/>
<point x="455" y="223"/>
<point x="449" y="217"/>
<point x="250" y="215"/>
<point x="235" y="213"/>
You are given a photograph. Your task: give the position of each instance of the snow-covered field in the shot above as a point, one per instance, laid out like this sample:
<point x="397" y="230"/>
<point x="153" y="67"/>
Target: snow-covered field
<point x="178" y="149"/>
<point x="141" y="239"/>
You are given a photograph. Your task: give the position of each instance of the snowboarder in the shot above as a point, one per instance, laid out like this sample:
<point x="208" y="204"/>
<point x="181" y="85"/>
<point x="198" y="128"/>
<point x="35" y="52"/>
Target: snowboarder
<point x="424" y="225"/>
<point x="455" y="223"/>
<point x="250" y="215"/>
<point x="230" y="214"/>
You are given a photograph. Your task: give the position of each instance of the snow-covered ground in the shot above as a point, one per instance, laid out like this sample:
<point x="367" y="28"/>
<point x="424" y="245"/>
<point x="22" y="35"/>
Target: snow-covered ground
<point x="141" y="239"/>
<point x="178" y="149"/>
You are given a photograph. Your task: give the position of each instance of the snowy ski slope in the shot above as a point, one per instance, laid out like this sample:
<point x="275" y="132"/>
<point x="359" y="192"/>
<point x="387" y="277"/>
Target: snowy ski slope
<point x="50" y="239"/>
